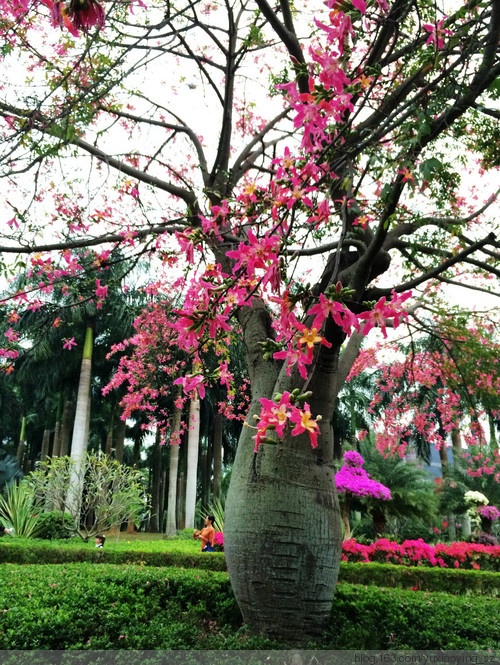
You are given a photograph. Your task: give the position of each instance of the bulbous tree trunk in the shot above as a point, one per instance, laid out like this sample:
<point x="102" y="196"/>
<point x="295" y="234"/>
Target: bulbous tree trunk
<point x="282" y="525"/>
<point x="283" y="535"/>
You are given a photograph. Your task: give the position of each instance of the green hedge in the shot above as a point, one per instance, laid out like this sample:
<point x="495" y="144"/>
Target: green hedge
<point x="89" y="606"/>
<point x="383" y="575"/>
<point x="32" y="551"/>
<point x="422" y="579"/>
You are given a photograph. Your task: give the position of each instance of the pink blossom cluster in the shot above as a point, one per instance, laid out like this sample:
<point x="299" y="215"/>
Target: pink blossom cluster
<point x="489" y="512"/>
<point x="275" y="417"/>
<point x="461" y="555"/>
<point x="353" y="479"/>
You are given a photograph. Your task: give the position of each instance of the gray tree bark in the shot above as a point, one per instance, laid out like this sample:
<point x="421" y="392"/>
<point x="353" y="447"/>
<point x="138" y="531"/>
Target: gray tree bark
<point x="286" y="494"/>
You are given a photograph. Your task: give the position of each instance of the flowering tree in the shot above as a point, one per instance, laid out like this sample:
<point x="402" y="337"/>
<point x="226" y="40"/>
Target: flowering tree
<point x="366" y="101"/>
<point x="353" y="480"/>
<point x="443" y="386"/>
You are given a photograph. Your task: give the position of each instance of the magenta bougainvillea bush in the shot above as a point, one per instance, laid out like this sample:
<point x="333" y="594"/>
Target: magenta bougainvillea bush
<point x="353" y="479"/>
<point x="489" y="512"/>
<point x="465" y="556"/>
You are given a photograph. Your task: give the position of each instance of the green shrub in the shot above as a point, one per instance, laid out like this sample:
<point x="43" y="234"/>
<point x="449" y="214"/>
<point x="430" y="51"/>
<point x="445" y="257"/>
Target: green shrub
<point x="89" y="606"/>
<point x="421" y="578"/>
<point x="55" y="525"/>
<point x="378" y="618"/>
<point x="17" y="551"/>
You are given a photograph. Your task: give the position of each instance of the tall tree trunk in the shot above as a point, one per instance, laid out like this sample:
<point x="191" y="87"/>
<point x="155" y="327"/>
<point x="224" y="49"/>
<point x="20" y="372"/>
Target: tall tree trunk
<point x="44" y="453"/>
<point x="136" y="454"/>
<point x="66" y="429"/>
<point x="163" y="490"/>
<point x="379" y="521"/>
<point x="120" y="440"/>
<point x="192" y="460"/>
<point x="346" y="509"/>
<point x="109" y="437"/>
<point x="21" y="446"/>
<point x="181" y="501"/>
<point x="80" y="427"/>
<point x="56" y="446"/>
<point x="445" y="466"/>
<point x="217" y="454"/>
<point x="171" y="526"/>
<point x="155" y="490"/>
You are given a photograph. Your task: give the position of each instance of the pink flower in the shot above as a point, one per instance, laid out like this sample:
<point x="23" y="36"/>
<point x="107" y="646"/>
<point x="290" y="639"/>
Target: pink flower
<point x="68" y="343"/>
<point x="85" y="14"/>
<point x="191" y="382"/>
<point x="304" y="422"/>
<point x="294" y="357"/>
<point x="101" y="291"/>
<point x="407" y="175"/>
<point x="437" y="33"/>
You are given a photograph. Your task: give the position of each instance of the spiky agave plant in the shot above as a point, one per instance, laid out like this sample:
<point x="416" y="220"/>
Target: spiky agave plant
<point x="18" y="510"/>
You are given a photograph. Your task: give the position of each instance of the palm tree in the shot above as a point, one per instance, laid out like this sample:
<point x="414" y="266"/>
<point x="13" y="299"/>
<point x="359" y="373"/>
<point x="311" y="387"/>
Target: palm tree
<point x="352" y="413"/>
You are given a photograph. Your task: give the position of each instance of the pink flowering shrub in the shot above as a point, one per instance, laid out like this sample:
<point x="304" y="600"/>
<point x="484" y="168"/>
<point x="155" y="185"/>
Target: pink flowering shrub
<point x="353" y="479"/>
<point x="465" y="556"/>
<point x="489" y="512"/>
<point x="219" y="541"/>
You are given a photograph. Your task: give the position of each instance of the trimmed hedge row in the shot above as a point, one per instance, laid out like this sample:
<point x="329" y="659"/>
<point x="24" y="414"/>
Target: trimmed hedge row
<point x="383" y="575"/>
<point x="88" y="606"/>
<point x="34" y="552"/>
<point x="448" y="580"/>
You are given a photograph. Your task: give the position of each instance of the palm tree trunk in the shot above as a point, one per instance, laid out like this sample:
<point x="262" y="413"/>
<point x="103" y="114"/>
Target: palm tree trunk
<point x="21" y="446"/>
<point x="171" y="527"/>
<point x="120" y="440"/>
<point x="217" y="454"/>
<point x="155" y="490"/>
<point x="45" y="445"/>
<point x="192" y="460"/>
<point x="56" y="446"/>
<point x="346" y="509"/>
<point x="66" y="429"/>
<point x="80" y="427"/>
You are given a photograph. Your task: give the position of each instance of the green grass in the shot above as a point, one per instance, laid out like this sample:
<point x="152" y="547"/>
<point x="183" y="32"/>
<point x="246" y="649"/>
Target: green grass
<point x="183" y="543"/>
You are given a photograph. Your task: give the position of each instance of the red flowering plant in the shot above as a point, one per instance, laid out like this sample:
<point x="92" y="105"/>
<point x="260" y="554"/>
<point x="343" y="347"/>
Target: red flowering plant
<point x="460" y="555"/>
<point x="219" y="541"/>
